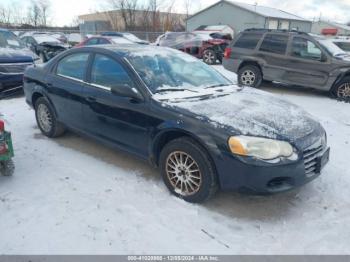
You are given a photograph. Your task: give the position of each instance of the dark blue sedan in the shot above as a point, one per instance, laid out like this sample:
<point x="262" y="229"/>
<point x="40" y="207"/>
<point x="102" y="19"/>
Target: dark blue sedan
<point x="203" y="132"/>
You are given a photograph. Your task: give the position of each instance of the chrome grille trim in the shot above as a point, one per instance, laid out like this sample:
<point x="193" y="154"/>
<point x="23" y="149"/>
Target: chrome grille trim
<point x="310" y="157"/>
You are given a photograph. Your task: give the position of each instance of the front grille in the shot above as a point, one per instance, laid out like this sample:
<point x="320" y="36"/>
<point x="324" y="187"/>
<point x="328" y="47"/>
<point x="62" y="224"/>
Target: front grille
<point x="310" y="158"/>
<point x="15" y="68"/>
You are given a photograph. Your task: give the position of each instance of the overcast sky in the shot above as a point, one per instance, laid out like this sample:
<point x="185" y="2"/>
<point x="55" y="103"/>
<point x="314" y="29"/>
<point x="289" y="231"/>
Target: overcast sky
<point x="63" y="12"/>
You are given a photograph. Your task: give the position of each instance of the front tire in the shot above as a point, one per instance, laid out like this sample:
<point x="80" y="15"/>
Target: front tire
<point x="210" y="57"/>
<point x="7" y="168"/>
<point x="250" y="75"/>
<point x="187" y="170"/>
<point x="46" y="119"/>
<point x="342" y="90"/>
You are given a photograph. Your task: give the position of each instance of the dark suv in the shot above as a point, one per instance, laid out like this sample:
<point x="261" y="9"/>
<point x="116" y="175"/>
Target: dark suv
<point x="289" y="57"/>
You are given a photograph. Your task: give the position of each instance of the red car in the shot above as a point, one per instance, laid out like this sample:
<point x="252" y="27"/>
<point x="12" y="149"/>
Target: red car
<point x="205" y="45"/>
<point x="104" y="40"/>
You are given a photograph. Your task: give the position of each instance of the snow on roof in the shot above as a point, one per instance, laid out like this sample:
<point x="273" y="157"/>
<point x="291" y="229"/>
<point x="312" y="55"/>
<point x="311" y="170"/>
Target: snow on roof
<point x="261" y="10"/>
<point x="267" y="11"/>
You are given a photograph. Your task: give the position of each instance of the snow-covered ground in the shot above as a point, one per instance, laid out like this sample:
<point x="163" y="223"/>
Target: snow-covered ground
<point x="74" y="196"/>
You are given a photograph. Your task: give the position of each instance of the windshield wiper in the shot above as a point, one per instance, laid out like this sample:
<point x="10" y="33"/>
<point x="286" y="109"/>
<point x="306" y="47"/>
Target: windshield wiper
<point x="174" y="90"/>
<point x="213" y="86"/>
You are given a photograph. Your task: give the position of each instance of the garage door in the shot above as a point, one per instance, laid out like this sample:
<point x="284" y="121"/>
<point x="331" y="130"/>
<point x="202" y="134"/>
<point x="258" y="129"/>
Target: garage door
<point x="284" y="25"/>
<point x="273" y="24"/>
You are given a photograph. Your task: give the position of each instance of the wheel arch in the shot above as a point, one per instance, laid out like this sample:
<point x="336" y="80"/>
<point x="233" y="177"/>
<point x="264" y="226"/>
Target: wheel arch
<point x="167" y="136"/>
<point x="39" y="93"/>
<point x="250" y="62"/>
<point x="339" y="79"/>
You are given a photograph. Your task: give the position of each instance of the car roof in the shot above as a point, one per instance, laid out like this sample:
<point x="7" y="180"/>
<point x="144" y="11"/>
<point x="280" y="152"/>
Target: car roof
<point x="125" y="49"/>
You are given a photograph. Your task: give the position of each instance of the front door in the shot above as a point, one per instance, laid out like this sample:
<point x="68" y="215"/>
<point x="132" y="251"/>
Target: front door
<point x="308" y="65"/>
<point x="117" y="119"/>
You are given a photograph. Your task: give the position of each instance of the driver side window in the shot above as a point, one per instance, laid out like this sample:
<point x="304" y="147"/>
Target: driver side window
<point x="108" y="72"/>
<point x="306" y="49"/>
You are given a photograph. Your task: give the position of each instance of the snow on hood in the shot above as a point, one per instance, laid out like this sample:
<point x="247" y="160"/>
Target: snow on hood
<point x="248" y="111"/>
<point x="12" y="55"/>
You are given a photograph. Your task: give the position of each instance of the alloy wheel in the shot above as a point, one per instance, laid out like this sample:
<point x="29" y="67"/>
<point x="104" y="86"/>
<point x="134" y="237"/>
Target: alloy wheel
<point x="44" y="117"/>
<point x="183" y="173"/>
<point x="248" y="78"/>
<point x="209" y="57"/>
<point x="344" y="91"/>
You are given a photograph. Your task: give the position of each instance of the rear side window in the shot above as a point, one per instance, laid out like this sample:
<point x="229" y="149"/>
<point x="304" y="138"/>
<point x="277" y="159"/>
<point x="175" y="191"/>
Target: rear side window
<point x="248" y="41"/>
<point x="103" y="41"/>
<point x="108" y="72"/>
<point x="73" y="66"/>
<point x="92" y="41"/>
<point x="276" y="44"/>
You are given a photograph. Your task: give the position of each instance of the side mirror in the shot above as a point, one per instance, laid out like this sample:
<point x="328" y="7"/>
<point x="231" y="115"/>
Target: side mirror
<point x="323" y="57"/>
<point x="126" y="90"/>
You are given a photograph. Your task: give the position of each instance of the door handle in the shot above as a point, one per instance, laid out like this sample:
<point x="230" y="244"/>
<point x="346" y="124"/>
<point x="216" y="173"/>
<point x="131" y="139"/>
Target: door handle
<point x="91" y="99"/>
<point x="49" y="85"/>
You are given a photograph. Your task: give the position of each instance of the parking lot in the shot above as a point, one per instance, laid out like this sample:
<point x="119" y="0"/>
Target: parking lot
<point x="74" y="196"/>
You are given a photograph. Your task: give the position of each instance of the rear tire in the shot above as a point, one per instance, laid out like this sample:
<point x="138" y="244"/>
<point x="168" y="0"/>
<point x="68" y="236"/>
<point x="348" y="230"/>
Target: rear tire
<point x="187" y="170"/>
<point x="250" y="75"/>
<point x="46" y="119"/>
<point x="7" y="168"/>
<point x="210" y="57"/>
<point x="341" y="91"/>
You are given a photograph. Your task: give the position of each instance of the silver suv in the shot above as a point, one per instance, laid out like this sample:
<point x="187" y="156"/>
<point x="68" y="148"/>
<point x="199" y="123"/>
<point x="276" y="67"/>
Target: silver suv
<point x="289" y="57"/>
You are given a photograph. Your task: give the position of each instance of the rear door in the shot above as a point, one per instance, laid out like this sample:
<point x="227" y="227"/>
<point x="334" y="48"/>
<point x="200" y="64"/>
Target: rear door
<point x="272" y="52"/>
<point x="65" y="85"/>
<point x="308" y="64"/>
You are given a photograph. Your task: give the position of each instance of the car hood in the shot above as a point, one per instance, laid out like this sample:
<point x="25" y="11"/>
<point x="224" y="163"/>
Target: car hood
<point x="11" y="55"/>
<point x="247" y="111"/>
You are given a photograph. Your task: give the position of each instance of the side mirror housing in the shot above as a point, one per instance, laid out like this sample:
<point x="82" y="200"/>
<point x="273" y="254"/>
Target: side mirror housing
<point x="324" y="57"/>
<point x="126" y="90"/>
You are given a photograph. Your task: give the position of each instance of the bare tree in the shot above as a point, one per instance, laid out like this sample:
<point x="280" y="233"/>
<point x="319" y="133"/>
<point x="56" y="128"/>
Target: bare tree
<point x="128" y="10"/>
<point x="44" y="6"/>
<point x="5" y="15"/>
<point x="38" y="13"/>
<point x="187" y="5"/>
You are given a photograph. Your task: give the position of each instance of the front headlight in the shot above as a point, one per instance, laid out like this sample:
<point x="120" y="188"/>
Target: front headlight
<point x="263" y="148"/>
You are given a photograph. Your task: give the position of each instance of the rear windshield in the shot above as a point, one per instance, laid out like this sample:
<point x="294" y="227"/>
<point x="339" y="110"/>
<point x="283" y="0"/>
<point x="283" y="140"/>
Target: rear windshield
<point x="248" y="40"/>
<point x="9" y="39"/>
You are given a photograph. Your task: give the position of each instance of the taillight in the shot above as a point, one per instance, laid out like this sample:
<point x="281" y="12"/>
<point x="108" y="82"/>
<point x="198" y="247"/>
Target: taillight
<point x="2" y="126"/>
<point x="3" y="146"/>
<point x="228" y="52"/>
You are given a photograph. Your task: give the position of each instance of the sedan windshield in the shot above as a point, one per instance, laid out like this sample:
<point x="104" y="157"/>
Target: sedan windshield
<point x="10" y="40"/>
<point x="171" y="70"/>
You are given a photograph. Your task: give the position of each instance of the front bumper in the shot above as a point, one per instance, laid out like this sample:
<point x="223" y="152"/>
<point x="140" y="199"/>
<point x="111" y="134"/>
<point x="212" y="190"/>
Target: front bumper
<point x="245" y="176"/>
